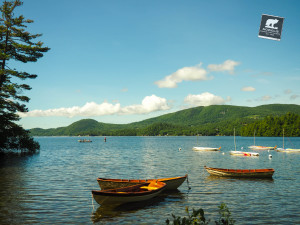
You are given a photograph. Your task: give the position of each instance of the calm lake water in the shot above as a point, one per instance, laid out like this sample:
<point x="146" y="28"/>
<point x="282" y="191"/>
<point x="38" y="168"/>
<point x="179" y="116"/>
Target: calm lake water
<point x="54" y="186"/>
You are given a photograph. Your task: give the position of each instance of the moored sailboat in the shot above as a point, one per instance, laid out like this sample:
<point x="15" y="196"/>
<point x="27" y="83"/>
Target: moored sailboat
<point x="288" y="150"/>
<point x="197" y="148"/>
<point x="258" y="147"/>
<point x="241" y="153"/>
<point x="206" y="149"/>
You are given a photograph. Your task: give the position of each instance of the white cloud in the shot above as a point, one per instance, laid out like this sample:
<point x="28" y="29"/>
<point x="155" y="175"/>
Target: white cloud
<point x="263" y="81"/>
<point x="228" y="65"/>
<point x="248" y="89"/>
<point x="195" y="73"/>
<point x="149" y="104"/>
<point x="266" y="98"/>
<point x="288" y="91"/>
<point x="185" y="73"/>
<point x="205" y="99"/>
<point x="293" y="97"/>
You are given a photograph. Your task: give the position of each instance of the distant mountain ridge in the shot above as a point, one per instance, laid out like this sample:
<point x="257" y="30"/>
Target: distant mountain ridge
<point x="209" y="120"/>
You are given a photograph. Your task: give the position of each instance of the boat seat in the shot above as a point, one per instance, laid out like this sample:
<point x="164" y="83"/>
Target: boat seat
<point x="149" y="188"/>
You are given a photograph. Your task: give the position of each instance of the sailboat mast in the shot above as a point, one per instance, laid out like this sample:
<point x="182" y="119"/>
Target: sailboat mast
<point x="283" y="138"/>
<point x="234" y="139"/>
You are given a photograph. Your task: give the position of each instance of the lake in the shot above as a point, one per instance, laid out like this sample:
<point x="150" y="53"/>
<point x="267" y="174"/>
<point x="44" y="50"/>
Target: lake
<point x="54" y="186"/>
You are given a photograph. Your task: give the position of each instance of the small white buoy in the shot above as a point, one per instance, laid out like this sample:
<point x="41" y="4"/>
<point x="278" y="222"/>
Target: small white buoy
<point x="242" y="148"/>
<point x="179" y="149"/>
<point x="270" y="156"/>
<point x="223" y="153"/>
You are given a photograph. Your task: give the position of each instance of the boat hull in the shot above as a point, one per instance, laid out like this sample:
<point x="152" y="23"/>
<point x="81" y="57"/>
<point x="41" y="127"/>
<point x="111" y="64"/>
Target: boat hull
<point x="172" y="183"/>
<point x="288" y="150"/>
<point x="254" y="147"/>
<point x="134" y="193"/>
<point x="247" y="173"/>
<point x="206" y="149"/>
<point x="240" y="153"/>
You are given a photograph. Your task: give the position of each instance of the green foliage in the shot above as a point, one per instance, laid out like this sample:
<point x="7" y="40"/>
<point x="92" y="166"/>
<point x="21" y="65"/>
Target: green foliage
<point x="274" y="126"/>
<point x="16" y="44"/>
<point x="161" y="129"/>
<point x="205" y="121"/>
<point x="225" y="216"/>
<point x="198" y="218"/>
<point x="16" y="141"/>
<point x="85" y="127"/>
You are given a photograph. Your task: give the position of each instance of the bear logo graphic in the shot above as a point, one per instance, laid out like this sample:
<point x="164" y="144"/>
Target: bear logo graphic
<point x="271" y="22"/>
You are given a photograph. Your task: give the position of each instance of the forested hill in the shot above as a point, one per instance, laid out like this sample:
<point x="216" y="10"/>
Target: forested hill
<point x="209" y="120"/>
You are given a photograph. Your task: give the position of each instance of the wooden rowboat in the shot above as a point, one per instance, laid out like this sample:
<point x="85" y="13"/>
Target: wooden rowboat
<point x="84" y="140"/>
<point x="206" y="149"/>
<point x="172" y="183"/>
<point x="249" y="173"/>
<point x="135" y="193"/>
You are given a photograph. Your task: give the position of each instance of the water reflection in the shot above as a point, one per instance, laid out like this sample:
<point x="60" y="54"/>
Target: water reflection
<point x="108" y="212"/>
<point x="13" y="194"/>
<point x="217" y="178"/>
<point x="112" y="211"/>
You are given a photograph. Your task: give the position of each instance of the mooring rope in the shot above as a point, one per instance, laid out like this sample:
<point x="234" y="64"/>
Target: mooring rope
<point x="188" y="182"/>
<point x="93" y="203"/>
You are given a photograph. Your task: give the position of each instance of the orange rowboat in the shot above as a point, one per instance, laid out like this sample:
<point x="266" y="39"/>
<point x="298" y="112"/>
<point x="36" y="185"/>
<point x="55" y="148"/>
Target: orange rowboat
<point x="249" y="173"/>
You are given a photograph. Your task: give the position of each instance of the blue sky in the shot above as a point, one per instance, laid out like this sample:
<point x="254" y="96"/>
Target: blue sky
<point x="123" y="61"/>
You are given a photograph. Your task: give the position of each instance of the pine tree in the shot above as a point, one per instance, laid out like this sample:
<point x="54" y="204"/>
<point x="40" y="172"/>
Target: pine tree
<point x="16" y="44"/>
